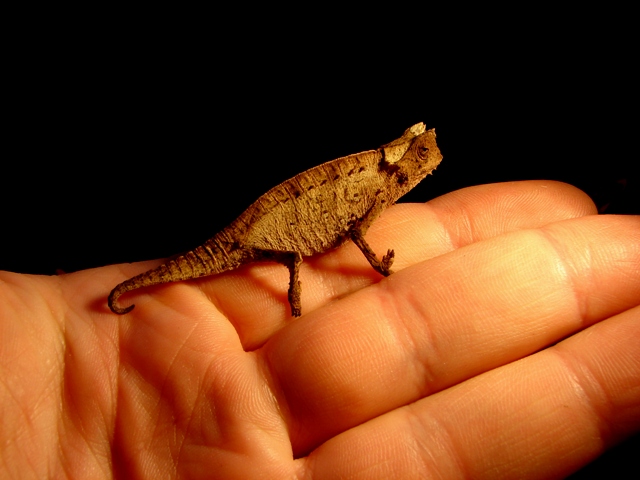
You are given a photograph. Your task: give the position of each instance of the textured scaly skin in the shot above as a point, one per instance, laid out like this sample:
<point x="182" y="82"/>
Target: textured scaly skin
<point x="311" y="213"/>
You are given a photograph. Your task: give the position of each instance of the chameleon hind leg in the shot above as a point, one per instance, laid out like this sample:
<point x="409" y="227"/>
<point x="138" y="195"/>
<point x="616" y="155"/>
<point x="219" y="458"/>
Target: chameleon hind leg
<point x="291" y="260"/>
<point x="294" y="260"/>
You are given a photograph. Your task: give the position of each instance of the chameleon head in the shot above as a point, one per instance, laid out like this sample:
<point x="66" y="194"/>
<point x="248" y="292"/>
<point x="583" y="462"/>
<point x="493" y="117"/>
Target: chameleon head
<point x="411" y="157"/>
<point x="424" y="152"/>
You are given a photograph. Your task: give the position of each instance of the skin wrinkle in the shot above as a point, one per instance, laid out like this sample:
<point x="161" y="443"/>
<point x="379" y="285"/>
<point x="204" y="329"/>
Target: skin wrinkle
<point x="67" y="463"/>
<point x="166" y="300"/>
<point x="268" y="390"/>
<point x="273" y="386"/>
<point x="188" y="424"/>
<point x="438" y="213"/>
<point x="61" y="317"/>
<point x="26" y="417"/>
<point x="399" y="313"/>
<point x="173" y="361"/>
<point x="67" y="423"/>
<point x="206" y="401"/>
<point x="62" y="338"/>
<point x="201" y="290"/>
<point x="64" y="398"/>
<point x="62" y="463"/>
<point x="101" y="458"/>
<point x="109" y="420"/>
<point x="435" y="343"/>
<point x="108" y="426"/>
<point x="464" y="222"/>
<point x="468" y="232"/>
<point x="26" y="430"/>
<point x="589" y="403"/>
<point x="569" y="278"/>
<point x="388" y="306"/>
<point x="162" y="394"/>
<point x="208" y="375"/>
<point x="444" y="439"/>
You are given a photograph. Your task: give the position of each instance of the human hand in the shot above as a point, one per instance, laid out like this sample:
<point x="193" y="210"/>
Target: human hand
<point x="504" y="346"/>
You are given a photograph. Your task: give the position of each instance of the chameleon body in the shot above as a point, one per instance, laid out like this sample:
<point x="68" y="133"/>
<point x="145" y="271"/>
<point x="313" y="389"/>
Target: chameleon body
<point x="313" y="212"/>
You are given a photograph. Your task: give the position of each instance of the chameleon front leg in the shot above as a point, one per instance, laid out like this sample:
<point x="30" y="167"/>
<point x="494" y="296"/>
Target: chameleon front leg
<point x="291" y="260"/>
<point x="357" y="231"/>
<point x="383" y="267"/>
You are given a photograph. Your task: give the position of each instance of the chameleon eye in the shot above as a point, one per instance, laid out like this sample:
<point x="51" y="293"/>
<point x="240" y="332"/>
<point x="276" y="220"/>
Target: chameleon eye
<point x="423" y="151"/>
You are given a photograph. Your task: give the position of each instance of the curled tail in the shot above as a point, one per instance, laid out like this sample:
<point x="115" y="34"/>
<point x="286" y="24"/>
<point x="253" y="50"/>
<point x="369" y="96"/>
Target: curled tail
<point x="207" y="259"/>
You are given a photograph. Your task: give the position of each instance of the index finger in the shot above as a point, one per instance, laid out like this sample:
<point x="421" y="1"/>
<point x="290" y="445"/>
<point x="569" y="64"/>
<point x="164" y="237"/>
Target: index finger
<point x="254" y="298"/>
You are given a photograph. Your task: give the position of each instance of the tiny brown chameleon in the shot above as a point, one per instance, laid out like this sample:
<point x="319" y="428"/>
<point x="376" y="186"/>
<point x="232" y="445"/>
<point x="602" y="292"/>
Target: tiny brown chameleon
<point x="313" y="212"/>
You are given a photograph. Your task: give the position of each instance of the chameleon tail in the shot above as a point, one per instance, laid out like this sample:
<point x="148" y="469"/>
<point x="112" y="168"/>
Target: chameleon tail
<point x="205" y="260"/>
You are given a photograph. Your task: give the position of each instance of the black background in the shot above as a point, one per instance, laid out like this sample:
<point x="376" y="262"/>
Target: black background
<point x="119" y="151"/>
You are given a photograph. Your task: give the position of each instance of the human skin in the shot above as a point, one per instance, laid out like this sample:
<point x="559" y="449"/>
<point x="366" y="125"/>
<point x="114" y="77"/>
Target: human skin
<point x="505" y="345"/>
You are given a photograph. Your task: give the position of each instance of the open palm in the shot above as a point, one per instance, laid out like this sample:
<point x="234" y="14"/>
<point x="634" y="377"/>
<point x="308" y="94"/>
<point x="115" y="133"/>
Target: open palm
<point x="504" y="346"/>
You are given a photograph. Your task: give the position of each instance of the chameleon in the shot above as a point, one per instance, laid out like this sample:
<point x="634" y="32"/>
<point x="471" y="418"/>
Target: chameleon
<point x="313" y="212"/>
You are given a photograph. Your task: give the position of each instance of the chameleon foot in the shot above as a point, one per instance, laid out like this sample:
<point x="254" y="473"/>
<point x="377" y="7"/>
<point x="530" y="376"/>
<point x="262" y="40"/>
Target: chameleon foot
<point x="385" y="264"/>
